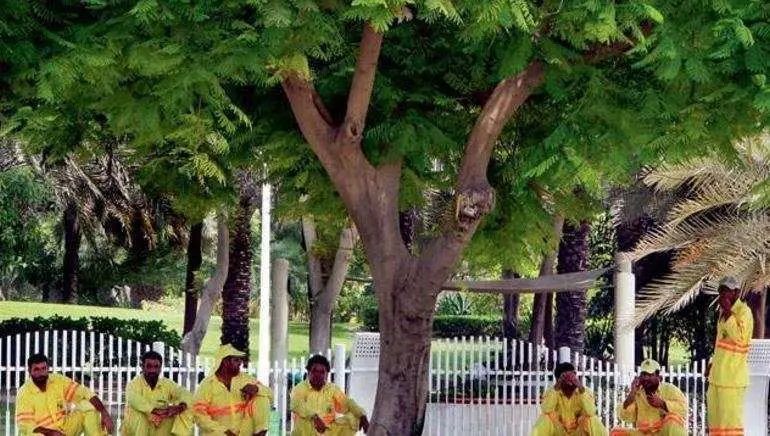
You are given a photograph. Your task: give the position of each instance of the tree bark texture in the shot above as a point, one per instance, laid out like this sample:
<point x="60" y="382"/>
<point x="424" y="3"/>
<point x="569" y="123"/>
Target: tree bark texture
<point x="511" y="329"/>
<point x="71" y="253"/>
<point x="194" y="260"/>
<point x="326" y="278"/>
<point x="571" y="306"/>
<point x="407" y="285"/>
<point x="236" y="294"/>
<point x="212" y="290"/>
<point x="539" y="311"/>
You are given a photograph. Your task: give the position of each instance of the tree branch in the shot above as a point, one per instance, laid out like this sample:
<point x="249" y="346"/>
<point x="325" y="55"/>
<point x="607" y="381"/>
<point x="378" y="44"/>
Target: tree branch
<point x="312" y="116"/>
<point x="362" y="85"/>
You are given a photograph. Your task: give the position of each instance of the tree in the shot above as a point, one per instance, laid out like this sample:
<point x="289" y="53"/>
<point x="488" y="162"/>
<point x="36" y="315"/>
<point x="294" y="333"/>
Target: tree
<point x="716" y="228"/>
<point x="236" y="294"/>
<point x="605" y="85"/>
<point x="571" y="306"/>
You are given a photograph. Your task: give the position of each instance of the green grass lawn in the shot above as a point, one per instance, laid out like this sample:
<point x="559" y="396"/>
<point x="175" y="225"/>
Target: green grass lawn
<point x="298" y="332"/>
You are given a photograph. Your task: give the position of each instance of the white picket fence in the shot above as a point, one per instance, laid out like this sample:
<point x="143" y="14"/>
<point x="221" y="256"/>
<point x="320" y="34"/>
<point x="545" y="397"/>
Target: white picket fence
<point x="477" y="385"/>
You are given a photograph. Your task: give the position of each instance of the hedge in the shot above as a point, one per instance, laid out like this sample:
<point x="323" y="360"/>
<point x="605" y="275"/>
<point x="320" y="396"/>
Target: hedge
<point x="145" y="332"/>
<point x="448" y="326"/>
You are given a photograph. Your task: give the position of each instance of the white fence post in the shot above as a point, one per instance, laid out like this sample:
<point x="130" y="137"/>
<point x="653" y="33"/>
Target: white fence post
<point x="625" y="292"/>
<point x="339" y="366"/>
<point x="564" y="355"/>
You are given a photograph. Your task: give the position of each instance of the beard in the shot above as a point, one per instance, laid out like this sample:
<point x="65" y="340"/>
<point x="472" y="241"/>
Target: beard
<point x="40" y="380"/>
<point x="152" y="378"/>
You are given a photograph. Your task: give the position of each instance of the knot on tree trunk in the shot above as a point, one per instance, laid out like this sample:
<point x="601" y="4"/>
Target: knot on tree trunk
<point x="471" y="205"/>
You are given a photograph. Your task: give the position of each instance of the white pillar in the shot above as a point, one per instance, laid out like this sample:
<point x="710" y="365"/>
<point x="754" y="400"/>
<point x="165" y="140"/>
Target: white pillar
<point x="564" y="354"/>
<point x="625" y="294"/>
<point x="279" y="312"/>
<point x="339" y="366"/>
<point x="159" y="347"/>
<point x="263" y="361"/>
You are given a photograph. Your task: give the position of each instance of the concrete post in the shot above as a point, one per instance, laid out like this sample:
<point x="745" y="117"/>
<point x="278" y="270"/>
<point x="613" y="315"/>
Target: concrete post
<point x="625" y="295"/>
<point x="263" y="360"/>
<point x="279" y="321"/>
<point x="339" y="366"/>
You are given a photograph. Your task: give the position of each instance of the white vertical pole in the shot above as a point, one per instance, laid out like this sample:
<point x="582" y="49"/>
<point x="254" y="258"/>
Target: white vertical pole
<point x="339" y="366"/>
<point x="564" y="355"/>
<point x="263" y="363"/>
<point x="624" y="313"/>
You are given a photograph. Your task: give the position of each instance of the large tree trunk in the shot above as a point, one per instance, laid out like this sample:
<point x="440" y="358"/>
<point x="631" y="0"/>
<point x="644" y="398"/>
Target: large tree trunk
<point x="212" y="290"/>
<point x="407" y="285"/>
<point x="571" y="306"/>
<point x="194" y="260"/>
<point x="326" y="279"/>
<point x="71" y="253"/>
<point x="237" y="289"/>
<point x="539" y="311"/>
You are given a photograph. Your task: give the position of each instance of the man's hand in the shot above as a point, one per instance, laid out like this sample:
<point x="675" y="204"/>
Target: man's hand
<point x="318" y="423"/>
<point x="249" y="392"/>
<point x="107" y="423"/>
<point x="230" y="433"/>
<point x="657" y="402"/>
<point x="363" y="424"/>
<point x="176" y="410"/>
<point x="573" y="379"/>
<point x="636" y="385"/>
<point x="708" y="370"/>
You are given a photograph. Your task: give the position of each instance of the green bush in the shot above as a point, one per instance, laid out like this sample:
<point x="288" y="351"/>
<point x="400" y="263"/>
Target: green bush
<point x="145" y="332"/>
<point x="445" y="326"/>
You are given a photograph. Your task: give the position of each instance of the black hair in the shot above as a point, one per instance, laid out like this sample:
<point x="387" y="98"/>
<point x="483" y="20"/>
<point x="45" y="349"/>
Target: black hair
<point x="152" y="355"/>
<point x="562" y="368"/>
<point x="37" y="358"/>
<point x="318" y="359"/>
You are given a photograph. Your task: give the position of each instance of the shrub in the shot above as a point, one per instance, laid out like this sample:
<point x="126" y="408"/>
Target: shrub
<point x="445" y="326"/>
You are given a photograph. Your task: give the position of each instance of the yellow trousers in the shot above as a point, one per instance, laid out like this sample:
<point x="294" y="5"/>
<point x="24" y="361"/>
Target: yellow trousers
<point x="138" y="424"/>
<point x="592" y="426"/>
<point x="88" y="422"/>
<point x="725" y="410"/>
<point x="667" y="429"/>
<point x="344" y="426"/>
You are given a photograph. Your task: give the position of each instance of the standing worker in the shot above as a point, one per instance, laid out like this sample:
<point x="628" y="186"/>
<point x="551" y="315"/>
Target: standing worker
<point x="728" y="371"/>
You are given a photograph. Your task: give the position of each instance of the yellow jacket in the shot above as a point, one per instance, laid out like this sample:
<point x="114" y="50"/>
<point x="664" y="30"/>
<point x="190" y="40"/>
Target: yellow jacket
<point x="327" y="403"/>
<point x="141" y="398"/>
<point x="217" y="409"/>
<point x="568" y="410"/>
<point x="729" y="367"/>
<point x="35" y="408"/>
<point x="651" y="419"/>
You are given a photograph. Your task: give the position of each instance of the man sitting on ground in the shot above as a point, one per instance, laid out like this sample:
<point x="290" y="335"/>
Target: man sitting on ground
<point x="230" y="402"/>
<point x="43" y="401"/>
<point x="323" y="408"/>
<point x="653" y="407"/>
<point x="568" y="408"/>
<point x="155" y="405"/>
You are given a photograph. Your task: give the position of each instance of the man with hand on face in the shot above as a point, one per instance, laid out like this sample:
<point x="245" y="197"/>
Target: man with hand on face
<point x="728" y="371"/>
<point x="229" y="402"/>
<point x="316" y="405"/>
<point x="43" y="400"/>
<point x="653" y="407"/>
<point x="155" y="405"/>
<point x="568" y="408"/>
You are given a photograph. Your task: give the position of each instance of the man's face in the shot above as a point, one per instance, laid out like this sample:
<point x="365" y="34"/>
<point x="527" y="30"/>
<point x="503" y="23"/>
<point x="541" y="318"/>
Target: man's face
<point x="727" y="297"/>
<point x="232" y="364"/>
<point x="39" y="373"/>
<point x="317" y="376"/>
<point x="649" y="382"/>
<point x="151" y="370"/>
<point x="569" y="379"/>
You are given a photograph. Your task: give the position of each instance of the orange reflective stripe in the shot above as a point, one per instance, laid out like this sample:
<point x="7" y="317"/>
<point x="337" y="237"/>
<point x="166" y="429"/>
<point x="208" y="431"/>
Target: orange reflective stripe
<point x="726" y="431"/>
<point x="215" y="412"/>
<point x="51" y="418"/>
<point x="674" y="418"/>
<point x="25" y="417"/>
<point x="620" y="432"/>
<point x="70" y="391"/>
<point x="731" y="346"/>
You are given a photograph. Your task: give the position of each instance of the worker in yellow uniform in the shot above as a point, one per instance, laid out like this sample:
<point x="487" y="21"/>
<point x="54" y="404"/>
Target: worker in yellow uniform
<point x="653" y="407"/>
<point x="729" y="369"/>
<point x="155" y="405"/>
<point x="229" y="402"/>
<point x="319" y="407"/>
<point x="55" y="405"/>
<point x="568" y="408"/>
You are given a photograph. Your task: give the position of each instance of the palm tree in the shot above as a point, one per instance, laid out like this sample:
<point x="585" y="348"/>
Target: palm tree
<point x="571" y="306"/>
<point x="236" y="293"/>
<point x="718" y="227"/>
